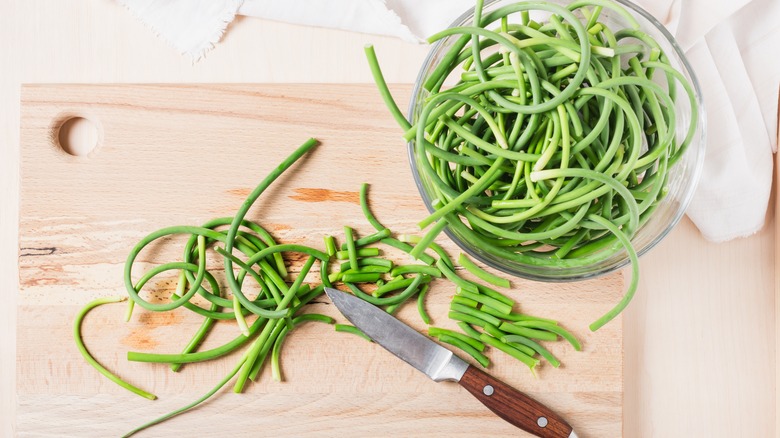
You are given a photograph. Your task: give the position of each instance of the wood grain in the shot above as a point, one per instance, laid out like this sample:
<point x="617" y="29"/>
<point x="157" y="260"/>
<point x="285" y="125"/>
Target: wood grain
<point x="776" y="196"/>
<point x="514" y="406"/>
<point x="172" y="154"/>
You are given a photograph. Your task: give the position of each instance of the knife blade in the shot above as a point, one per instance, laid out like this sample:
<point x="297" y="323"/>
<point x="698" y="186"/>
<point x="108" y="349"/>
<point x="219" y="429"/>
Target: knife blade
<point x="440" y="364"/>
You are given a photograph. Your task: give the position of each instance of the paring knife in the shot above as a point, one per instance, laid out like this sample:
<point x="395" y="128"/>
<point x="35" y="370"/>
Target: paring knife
<point x="440" y="364"/>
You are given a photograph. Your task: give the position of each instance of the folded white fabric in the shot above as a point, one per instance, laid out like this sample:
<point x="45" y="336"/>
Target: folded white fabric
<point x="192" y="26"/>
<point x="737" y="175"/>
<point x="726" y="41"/>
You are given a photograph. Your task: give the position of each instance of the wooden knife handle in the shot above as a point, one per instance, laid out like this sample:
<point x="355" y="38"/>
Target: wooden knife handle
<point x="514" y="406"/>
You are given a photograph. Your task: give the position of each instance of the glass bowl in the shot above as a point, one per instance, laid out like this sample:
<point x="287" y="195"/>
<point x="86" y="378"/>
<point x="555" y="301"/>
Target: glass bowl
<point x="682" y="177"/>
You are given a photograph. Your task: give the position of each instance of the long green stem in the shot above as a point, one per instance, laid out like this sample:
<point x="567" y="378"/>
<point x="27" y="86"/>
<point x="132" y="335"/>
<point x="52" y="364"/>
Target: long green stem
<point x="91" y="360"/>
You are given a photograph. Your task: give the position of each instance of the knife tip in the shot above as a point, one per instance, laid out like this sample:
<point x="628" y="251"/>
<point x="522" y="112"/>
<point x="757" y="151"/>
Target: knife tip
<point x="573" y="434"/>
<point x="333" y="294"/>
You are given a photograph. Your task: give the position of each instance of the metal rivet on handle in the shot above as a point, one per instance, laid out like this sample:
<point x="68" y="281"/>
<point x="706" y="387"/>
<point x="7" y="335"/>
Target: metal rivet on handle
<point x="541" y="421"/>
<point x="487" y="390"/>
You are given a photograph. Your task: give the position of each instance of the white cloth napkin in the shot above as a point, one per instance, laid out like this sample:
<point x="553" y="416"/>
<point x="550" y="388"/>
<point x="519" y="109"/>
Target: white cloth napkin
<point x="732" y="45"/>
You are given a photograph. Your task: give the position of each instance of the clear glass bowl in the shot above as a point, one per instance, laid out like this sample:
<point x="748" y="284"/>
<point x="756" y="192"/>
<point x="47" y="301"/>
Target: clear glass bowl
<point x="682" y="177"/>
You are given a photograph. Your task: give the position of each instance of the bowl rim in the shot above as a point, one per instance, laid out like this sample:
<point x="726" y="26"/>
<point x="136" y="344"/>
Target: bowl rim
<point x="684" y="200"/>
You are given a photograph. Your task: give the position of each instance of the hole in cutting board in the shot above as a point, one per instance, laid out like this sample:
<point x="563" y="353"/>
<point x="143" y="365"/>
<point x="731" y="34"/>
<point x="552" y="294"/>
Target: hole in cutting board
<point x="78" y="136"/>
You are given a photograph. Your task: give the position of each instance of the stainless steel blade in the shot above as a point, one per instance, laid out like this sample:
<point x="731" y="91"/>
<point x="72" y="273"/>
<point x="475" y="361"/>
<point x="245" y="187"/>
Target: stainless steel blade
<point x="435" y="361"/>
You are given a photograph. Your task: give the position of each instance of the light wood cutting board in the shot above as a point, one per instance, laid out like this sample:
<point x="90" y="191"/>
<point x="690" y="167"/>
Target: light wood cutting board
<point x="183" y="154"/>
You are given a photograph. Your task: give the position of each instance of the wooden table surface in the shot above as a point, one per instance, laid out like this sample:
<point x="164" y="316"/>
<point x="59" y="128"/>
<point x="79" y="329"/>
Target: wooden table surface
<point x="700" y="336"/>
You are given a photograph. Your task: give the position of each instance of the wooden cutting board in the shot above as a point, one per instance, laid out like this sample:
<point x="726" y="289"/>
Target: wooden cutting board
<point x="183" y="154"/>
